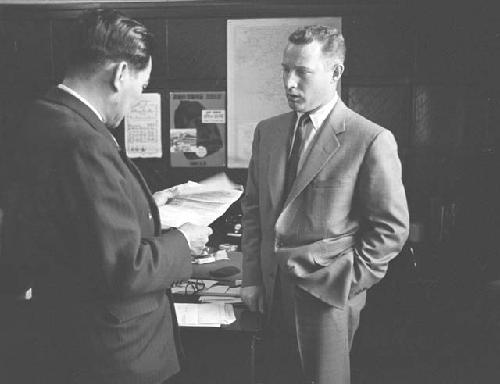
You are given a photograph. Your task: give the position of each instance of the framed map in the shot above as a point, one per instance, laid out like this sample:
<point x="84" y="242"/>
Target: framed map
<point x="254" y="86"/>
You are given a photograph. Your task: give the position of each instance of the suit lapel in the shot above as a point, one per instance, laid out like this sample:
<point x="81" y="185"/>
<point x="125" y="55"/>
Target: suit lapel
<point x="59" y="96"/>
<point x="323" y="147"/>
<point x="147" y="192"/>
<point x="278" y="158"/>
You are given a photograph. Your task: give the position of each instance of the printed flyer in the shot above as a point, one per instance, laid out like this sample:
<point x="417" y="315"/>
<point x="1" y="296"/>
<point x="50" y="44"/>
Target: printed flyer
<point x="143" y="127"/>
<point x="197" y="129"/>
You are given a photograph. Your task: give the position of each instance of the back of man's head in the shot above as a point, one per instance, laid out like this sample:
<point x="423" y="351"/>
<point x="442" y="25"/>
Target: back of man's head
<point x="101" y="36"/>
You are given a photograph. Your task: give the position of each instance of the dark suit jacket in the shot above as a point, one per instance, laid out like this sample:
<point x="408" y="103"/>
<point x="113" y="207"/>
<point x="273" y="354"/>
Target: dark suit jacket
<point x="83" y="229"/>
<point x="345" y="217"/>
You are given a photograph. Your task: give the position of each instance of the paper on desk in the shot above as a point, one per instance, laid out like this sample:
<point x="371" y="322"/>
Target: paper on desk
<point x="204" y="315"/>
<point x="199" y="203"/>
<point x="220" y="299"/>
<point x="218" y="255"/>
<point x="216" y="289"/>
<point x="221" y="290"/>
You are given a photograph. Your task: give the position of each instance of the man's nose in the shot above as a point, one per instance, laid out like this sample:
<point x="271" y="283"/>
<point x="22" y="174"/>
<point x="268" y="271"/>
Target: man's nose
<point x="290" y="80"/>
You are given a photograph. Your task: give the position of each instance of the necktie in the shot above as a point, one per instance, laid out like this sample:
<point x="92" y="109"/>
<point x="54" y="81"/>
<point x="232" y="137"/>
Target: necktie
<point x="293" y="159"/>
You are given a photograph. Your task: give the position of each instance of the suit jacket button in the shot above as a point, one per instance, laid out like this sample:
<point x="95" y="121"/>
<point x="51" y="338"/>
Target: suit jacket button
<point x="150" y="215"/>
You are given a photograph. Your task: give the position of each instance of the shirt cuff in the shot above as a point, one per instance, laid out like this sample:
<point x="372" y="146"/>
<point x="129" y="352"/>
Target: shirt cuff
<point x="181" y="231"/>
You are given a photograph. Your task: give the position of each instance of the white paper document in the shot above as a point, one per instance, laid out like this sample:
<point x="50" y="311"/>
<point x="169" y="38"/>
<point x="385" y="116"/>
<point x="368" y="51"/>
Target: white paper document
<point x="143" y="127"/>
<point x="220" y="299"/>
<point x="199" y="203"/>
<point x="204" y="315"/>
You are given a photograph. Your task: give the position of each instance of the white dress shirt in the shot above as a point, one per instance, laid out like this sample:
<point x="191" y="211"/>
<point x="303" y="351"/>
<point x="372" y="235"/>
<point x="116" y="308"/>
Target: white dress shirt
<point x="317" y="118"/>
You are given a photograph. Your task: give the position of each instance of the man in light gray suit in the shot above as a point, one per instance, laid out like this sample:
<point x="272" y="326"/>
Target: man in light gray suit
<point x="323" y="214"/>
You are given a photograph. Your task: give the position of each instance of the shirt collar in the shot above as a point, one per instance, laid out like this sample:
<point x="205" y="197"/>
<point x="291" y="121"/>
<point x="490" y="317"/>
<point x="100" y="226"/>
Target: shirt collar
<point x="85" y="101"/>
<point x="320" y="114"/>
<point x="81" y="98"/>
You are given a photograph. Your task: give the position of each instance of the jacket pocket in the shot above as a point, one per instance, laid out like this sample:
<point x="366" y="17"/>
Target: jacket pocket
<point x="129" y="310"/>
<point x="324" y="260"/>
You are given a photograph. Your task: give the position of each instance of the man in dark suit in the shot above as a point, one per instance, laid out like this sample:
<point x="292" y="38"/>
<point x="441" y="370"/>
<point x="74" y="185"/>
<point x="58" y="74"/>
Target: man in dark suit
<point x="324" y="212"/>
<point x="82" y="228"/>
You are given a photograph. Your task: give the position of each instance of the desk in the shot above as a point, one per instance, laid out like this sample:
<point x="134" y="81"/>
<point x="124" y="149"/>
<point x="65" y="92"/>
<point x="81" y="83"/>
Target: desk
<point x="202" y="271"/>
<point x="224" y="355"/>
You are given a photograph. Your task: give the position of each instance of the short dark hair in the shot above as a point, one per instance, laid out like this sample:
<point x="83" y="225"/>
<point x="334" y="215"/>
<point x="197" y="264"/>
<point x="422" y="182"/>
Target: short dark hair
<point x="333" y="44"/>
<point x="104" y="35"/>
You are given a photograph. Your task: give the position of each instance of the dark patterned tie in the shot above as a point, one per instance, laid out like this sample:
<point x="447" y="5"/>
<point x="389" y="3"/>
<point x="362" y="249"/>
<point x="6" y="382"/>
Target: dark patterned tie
<point x="293" y="159"/>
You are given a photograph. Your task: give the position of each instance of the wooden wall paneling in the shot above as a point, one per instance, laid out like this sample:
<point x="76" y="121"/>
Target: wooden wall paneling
<point x="158" y="27"/>
<point x="485" y="51"/>
<point x="387" y="106"/>
<point x="26" y="65"/>
<point x="440" y="117"/>
<point x="478" y="136"/>
<point x="494" y="123"/>
<point x="197" y="49"/>
<point x="28" y="49"/>
<point x="61" y="46"/>
<point x="445" y="47"/>
<point x="379" y="45"/>
<point x="4" y="55"/>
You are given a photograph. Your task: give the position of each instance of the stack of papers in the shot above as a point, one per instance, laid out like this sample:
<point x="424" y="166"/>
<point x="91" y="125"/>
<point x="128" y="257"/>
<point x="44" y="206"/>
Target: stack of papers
<point x="220" y="299"/>
<point x="218" y="255"/>
<point x="199" y="203"/>
<point x="221" y="294"/>
<point x="204" y="315"/>
<point x="221" y="290"/>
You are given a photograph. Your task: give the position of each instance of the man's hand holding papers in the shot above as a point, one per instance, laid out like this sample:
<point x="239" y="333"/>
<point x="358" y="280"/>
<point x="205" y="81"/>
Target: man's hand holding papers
<point x="196" y="236"/>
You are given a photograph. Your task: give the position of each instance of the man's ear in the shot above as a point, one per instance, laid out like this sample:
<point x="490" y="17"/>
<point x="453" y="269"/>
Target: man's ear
<point x="120" y="71"/>
<point x="338" y="70"/>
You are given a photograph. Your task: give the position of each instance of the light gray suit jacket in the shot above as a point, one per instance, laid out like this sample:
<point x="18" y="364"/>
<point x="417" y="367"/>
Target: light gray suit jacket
<point x="345" y="217"/>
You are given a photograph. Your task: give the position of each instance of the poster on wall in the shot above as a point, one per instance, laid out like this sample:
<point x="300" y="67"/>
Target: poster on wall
<point x="143" y="127"/>
<point x="197" y="129"/>
<point x="254" y="84"/>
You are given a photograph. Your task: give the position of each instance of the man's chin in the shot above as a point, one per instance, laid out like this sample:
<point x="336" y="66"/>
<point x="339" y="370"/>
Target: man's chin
<point x="297" y="107"/>
<point x="113" y="124"/>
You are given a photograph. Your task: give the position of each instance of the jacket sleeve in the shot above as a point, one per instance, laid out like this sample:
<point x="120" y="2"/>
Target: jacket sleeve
<point x="110" y="248"/>
<point x="251" y="238"/>
<point x="384" y="212"/>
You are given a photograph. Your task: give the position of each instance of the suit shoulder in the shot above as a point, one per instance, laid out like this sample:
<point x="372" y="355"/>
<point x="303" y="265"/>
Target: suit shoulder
<point x="274" y="120"/>
<point x="60" y="120"/>
<point x="364" y="127"/>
